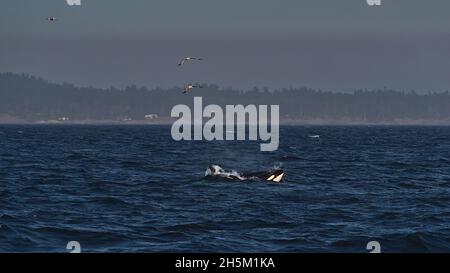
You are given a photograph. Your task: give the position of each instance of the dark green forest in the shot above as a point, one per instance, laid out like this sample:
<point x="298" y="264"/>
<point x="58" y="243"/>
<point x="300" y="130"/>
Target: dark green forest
<point x="33" y="99"/>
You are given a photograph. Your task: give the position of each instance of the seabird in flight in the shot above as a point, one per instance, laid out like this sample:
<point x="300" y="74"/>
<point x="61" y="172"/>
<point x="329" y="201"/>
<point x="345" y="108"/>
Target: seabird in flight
<point x="190" y="86"/>
<point x="51" y="19"/>
<point x="187" y="59"/>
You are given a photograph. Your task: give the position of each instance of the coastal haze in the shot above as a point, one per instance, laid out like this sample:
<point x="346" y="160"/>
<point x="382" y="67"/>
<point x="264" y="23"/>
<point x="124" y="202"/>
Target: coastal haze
<point x="25" y="99"/>
<point x="390" y="55"/>
<point x="338" y="46"/>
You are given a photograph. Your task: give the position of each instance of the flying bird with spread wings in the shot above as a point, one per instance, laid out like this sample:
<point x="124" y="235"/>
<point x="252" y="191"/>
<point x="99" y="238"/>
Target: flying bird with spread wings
<point x="188" y="59"/>
<point x="51" y="19"/>
<point x="190" y="87"/>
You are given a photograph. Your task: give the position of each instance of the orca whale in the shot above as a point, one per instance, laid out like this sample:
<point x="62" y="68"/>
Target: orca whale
<point x="275" y="175"/>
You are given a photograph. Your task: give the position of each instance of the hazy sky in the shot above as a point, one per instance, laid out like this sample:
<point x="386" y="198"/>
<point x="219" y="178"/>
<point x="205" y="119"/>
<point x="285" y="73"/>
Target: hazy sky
<point x="333" y="45"/>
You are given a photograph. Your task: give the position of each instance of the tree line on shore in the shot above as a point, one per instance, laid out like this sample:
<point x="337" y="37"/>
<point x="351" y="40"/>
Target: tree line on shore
<point x="32" y="99"/>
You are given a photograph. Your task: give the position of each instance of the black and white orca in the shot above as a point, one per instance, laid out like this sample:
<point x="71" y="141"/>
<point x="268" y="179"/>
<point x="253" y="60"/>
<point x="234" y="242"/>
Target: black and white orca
<point x="275" y="175"/>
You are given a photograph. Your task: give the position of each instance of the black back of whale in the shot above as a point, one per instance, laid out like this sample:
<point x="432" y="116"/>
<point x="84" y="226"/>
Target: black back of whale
<point x="264" y="175"/>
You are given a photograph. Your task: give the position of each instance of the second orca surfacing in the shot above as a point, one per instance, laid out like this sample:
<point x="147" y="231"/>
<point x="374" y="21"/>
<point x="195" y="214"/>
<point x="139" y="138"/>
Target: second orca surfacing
<point x="275" y="175"/>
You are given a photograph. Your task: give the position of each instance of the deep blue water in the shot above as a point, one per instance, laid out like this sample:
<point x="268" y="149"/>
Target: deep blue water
<point x="134" y="189"/>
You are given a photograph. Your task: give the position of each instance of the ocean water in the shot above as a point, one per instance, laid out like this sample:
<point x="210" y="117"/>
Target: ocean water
<point x="134" y="189"/>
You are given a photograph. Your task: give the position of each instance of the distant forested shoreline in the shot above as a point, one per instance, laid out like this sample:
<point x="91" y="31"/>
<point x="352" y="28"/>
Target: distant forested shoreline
<point x="25" y="98"/>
